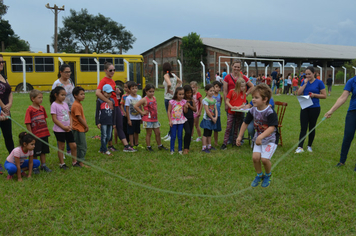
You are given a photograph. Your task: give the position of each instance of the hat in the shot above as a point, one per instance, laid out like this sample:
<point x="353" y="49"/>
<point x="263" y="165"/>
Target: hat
<point x="107" y="88"/>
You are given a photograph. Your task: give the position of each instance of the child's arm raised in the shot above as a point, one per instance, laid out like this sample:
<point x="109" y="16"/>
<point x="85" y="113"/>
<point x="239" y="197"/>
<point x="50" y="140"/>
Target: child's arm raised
<point x="169" y="114"/>
<point x="139" y="105"/>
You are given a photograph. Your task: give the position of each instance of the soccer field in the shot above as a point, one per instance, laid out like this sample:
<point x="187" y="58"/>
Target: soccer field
<point x="156" y="193"/>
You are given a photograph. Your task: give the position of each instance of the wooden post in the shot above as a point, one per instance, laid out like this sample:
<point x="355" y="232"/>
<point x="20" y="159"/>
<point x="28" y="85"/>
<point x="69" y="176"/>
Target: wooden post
<point x="48" y="49"/>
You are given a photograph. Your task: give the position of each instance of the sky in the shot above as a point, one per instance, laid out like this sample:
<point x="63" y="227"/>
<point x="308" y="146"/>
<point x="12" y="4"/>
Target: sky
<point x="152" y="22"/>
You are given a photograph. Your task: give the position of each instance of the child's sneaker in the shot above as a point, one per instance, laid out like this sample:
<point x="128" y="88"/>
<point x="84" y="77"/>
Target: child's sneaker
<point x="205" y="150"/>
<point x="129" y="149"/>
<point x="108" y="153"/>
<point x="198" y="139"/>
<point x="266" y="181"/>
<point x="310" y="149"/>
<point x="299" y="150"/>
<point x="36" y="171"/>
<point x="165" y="136"/>
<point x="76" y="164"/>
<point x="172" y="152"/>
<point x="212" y="148"/>
<point x="112" y="148"/>
<point x="168" y="139"/>
<point x="340" y="164"/>
<point x="180" y="152"/>
<point x="162" y="148"/>
<point x="63" y="167"/>
<point x="46" y="169"/>
<point x="9" y="177"/>
<point x="257" y="181"/>
<point x="150" y="149"/>
<point x="223" y="147"/>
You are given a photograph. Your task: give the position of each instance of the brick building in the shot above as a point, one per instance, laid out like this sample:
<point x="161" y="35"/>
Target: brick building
<point x="320" y="55"/>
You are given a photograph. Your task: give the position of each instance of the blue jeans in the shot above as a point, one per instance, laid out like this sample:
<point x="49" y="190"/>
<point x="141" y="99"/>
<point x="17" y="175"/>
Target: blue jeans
<point x="207" y="81"/>
<point x="106" y="131"/>
<point x="166" y="104"/>
<point x="12" y="168"/>
<point x="274" y="86"/>
<point x="349" y="133"/>
<point x="177" y="130"/>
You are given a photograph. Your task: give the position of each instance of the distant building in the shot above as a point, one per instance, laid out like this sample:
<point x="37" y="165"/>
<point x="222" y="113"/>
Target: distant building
<point x="298" y="53"/>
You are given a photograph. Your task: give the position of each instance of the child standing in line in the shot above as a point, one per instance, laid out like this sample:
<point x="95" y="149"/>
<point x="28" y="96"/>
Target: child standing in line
<point x="197" y="97"/>
<point x="266" y="137"/>
<point x="176" y="118"/>
<point x="80" y="126"/>
<point x="219" y="100"/>
<point x="123" y="109"/>
<point x="149" y="116"/>
<point x="62" y="128"/>
<point x="209" y="119"/>
<point x="35" y="120"/>
<point x="235" y="99"/>
<point x="105" y="119"/>
<point x="119" y="91"/>
<point x="133" y="117"/>
<point x="17" y="162"/>
<point x="189" y="108"/>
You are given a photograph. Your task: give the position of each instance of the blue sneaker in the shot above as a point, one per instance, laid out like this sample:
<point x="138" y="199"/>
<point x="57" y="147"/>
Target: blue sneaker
<point x="257" y="181"/>
<point x="266" y="181"/>
<point x="206" y="150"/>
<point x="212" y="148"/>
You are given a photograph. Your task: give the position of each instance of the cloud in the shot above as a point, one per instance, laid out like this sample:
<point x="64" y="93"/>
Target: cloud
<point x="341" y="33"/>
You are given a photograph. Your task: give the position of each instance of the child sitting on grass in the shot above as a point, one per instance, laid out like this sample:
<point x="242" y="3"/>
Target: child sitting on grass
<point x="17" y="162"/>
<point x="266" y="137"/>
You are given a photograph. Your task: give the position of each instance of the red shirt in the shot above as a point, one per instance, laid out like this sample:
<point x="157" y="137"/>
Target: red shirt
<point x="235" y="99"/>
<point x="37" y="119"/>
<point x="106" y="80"/>
<point x="295" y="82"/>
<point x="151" y="107"/>
<point x="231" y="81"/>
<point x="268" y="81"/>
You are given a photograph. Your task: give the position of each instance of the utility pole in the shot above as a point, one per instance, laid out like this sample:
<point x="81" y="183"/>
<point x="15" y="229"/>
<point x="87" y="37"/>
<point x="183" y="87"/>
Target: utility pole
<point x="55" y="9"/>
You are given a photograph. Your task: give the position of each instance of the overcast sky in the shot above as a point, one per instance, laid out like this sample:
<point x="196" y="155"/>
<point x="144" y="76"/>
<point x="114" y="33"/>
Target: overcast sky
<point x="152" y="22"/>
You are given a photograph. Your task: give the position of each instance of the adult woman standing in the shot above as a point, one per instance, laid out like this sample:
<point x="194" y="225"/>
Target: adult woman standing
<point x="6" y="104"/>
<point x="350" y="120"/>
<point x="230" y="80"/>
<point x="65" y="82"/>
<point x="110" y="71"/>
<point x="309" y="116"/>
<point x="170" y="83"/>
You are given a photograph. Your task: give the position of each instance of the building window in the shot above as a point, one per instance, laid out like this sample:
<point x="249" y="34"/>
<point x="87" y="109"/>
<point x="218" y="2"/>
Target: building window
<point x="119" y="64"/>
<point x="87" y="64"/>
<point x="44" y="64"/>
<point x="16" y="64"/>
<point x="102" y="60"/>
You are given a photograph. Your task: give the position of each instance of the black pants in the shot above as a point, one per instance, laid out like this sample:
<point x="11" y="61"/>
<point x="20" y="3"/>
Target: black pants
<point x="6" y="129"/>
<point x="188" y="129"/>
<point x="308" y="117"/>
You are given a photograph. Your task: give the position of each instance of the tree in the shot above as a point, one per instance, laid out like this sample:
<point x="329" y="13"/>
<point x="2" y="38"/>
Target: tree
<point x="12" y="42"/>
<point x="99" y="33"/>
<point x="193" y="51"/>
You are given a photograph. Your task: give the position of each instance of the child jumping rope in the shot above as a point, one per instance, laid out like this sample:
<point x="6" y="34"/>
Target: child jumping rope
<point x="17" y="162"/>
<point x="197" y="97"/>
<point x="266" y="137"/>
<point x="149" y="116"/>
<point x="209" y="119"/>
<point x="235" y="99"/>
<point x="188" y="113"/>
<point x="62" y="128"/>
<point x="176" y="118"/>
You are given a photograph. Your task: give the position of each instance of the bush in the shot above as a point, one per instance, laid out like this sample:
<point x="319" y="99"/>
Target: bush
<point x="339" y="77"/>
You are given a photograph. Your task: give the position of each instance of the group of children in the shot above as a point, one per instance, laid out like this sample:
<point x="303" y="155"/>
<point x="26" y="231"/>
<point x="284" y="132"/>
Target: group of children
<point x="183" y="113"/>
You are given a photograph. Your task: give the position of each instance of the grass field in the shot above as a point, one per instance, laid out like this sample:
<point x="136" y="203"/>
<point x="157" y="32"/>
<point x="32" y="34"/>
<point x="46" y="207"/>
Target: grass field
<point x="308" y="194"/>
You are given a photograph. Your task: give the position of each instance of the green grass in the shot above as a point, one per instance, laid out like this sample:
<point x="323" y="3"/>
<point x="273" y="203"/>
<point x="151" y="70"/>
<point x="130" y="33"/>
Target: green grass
<point x="308" y="194"/>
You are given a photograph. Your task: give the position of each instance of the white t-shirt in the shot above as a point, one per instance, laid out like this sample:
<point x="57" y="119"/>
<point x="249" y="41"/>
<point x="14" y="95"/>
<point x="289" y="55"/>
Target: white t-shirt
<point x="173" y="87"/>
<point x="218" y="78"/>
<point x="130" y="102"/>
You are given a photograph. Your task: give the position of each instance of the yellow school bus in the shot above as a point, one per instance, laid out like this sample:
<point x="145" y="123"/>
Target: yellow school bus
<point x="42" y="69"/>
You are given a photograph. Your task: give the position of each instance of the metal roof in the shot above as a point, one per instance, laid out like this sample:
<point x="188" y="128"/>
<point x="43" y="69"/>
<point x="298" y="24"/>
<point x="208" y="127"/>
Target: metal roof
<point x="273" y="49"/>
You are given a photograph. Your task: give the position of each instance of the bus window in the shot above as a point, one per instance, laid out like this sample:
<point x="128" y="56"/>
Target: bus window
<point x="16" y="64"/>
<point x="135" y="73"/>
<point x="119" y="64"/>
<point x="44" y="64"/>
<point x="87" y="64"/>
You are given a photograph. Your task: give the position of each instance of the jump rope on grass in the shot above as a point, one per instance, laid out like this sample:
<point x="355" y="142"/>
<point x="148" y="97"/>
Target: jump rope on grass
<point x="170" y="191"/>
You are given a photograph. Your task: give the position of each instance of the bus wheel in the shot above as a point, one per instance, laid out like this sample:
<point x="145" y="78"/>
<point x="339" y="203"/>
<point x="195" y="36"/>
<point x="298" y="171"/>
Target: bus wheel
<point x="19" y="87"/>
<point x="119" y="83"/>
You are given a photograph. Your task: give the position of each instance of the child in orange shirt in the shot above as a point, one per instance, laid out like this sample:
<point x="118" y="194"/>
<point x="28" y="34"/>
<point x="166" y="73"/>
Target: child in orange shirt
<point x="79" y="126"/>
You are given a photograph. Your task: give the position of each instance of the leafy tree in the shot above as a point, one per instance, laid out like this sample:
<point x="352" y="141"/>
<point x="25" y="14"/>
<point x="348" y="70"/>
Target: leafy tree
<point x="350" y="72"/>
<point x="12" y="42"/>
<point x="99" y="33"/>
<point x="193" y="51"/>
